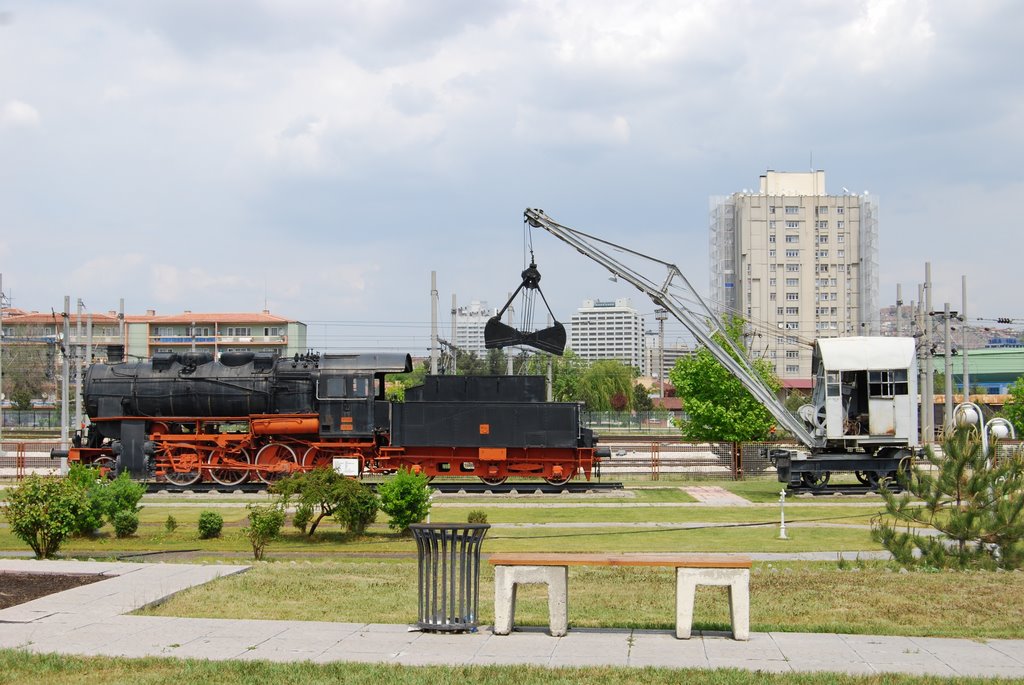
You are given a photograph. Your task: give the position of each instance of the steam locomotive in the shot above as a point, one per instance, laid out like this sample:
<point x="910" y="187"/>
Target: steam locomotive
<point x="185" y="418"/>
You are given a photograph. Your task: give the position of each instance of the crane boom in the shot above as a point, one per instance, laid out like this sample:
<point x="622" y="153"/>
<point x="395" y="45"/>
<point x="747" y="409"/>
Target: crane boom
<point x="672" y="294"/>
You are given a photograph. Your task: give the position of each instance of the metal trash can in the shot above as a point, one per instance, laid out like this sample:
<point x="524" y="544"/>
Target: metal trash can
<point x="449" y="574"/>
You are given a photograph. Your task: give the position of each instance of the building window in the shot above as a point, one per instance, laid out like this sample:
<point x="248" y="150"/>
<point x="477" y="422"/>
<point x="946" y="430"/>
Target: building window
<point x="792" y="311"/>
<point x="771" y="238"/>
<point x="792" y="238"/>
<point x="778" y="311"/>
<point x="792" y="325"/>
<point x="822" y="209"/>
<point x="840" y="238"/>
<point x="823" y="253"/>
<point x="771" y="209"/>
<point x="792" y="253"/>
<point x="792" y="282"/>
<point x="792" y="354"/>
<point x="839" y="210"/>
<point x="793" y="268"/>
<point x="822" y="239"/>
<point x="792" y="224"/>
<point x="771" y="253"/>
<point x="792" y="368"/>
<point x="841" y="254"/>
<point x="771" y="225"/>
<point x="238" y="331"/>
<point x="272" y="330"/>
<point x="792" y="209"/>
<point x="771" y="282"/>
<point x="771" y="297"/>
<point x="792" y="297"/>
<point x="840" y="225"/>
<point x="821" y="224"/>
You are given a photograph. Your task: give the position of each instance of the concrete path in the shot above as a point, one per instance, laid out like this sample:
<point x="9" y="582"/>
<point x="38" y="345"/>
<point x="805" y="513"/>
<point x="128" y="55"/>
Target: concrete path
<point x="90" y="620"/>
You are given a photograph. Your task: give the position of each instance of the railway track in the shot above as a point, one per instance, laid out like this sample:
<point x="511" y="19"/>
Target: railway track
<point x="468" y="487"/>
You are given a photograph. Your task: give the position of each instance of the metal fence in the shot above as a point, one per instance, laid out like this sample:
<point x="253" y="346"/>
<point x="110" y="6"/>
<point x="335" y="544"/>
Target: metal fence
<point x="31" y="418"/>
<point x="20" y="458"/>
<point x="657" y="460"/>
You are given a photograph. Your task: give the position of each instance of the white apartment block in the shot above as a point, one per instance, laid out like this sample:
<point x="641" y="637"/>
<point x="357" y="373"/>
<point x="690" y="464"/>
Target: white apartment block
<point x="796" y="263"/>
<point x="608" y="330"/>
<point x="469" y="327"/>
<point x="672" y="352"/>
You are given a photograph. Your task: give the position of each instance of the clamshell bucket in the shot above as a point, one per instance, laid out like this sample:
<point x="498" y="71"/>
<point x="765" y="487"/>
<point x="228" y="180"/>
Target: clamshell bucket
<point x="550" y="339"/>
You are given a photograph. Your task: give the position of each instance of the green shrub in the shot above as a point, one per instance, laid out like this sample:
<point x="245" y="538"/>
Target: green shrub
<point x="121" y="494"/>
<point x="405" y="497"/>
<point x="44" y="511"/>
<point x="264" y="525"/>
<point x="91" y="483"/>
<point x="210" y="524"/>
<point x="171" y="524"/>
<point x="125" y="523"/>
<point x="358" y="507"/>
<point x="477" y="516"/>
<point x="302" y="516"/>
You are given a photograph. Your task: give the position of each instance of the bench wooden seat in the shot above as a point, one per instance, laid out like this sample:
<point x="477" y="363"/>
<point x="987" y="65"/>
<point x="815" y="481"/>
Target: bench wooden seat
<point x="518" y="568"/>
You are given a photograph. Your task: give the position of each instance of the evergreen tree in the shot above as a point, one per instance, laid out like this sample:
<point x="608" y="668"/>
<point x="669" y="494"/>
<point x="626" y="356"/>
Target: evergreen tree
<point x="973" y="501"/>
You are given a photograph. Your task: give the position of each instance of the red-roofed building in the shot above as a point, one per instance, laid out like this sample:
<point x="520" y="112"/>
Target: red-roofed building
<point x="213" y="332"/>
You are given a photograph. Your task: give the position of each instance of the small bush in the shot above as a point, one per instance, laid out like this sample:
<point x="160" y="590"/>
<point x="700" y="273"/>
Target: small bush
<point x="358" y="507"/>
<point x="477" y="516"/>
<point x="210" y="524"/>
<point x="121" y="494"/>
<point x="264" y="525"/>
<point x="405" y="497"/>
<point x="91" y="483"/>
<point x="43" y="512"/>
<point x="171" y="524"/>
<point x="125" y="523"/>
<point x="302" y="516"/>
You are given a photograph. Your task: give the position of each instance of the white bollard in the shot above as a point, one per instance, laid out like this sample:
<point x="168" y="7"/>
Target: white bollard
<point x="782" y="515"/>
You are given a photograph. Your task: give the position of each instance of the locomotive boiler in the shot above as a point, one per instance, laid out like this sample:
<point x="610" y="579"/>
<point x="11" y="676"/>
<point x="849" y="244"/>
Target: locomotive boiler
<point x="185" y="418"/>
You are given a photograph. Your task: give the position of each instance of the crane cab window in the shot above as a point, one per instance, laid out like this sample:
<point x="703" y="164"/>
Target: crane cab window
<point x="887" y="383"/>
<point x="834" y="388"/>
<point x="344" y="387"/>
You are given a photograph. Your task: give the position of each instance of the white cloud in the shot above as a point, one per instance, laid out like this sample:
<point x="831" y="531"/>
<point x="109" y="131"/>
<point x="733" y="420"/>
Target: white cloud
<point x="16" y="113"/>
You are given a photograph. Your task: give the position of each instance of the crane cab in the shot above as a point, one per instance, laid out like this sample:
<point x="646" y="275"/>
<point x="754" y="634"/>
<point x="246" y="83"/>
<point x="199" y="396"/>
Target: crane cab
<point x="865" y="392"/>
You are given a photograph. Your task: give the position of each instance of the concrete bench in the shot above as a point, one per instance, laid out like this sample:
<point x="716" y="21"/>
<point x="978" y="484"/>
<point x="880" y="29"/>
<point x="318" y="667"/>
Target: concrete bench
<point x="552" y="569"/>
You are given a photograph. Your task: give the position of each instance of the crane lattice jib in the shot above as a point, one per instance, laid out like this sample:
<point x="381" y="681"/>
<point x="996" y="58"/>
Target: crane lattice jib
<point x="700" y="320"/>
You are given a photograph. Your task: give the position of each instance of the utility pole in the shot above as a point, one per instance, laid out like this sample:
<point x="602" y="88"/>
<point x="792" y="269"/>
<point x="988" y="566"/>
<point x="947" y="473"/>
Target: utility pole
<point x="508" y="359"/>
<point x="65" y="381"/>
<point x="899" y="306"/>
<point x="922" y="382"/>
<point x="929" y="368"/>
<point x="455" y="350"/>
<point x="661" y="314"/>
<point x="433" y="323"/>
<point x="88" y="354"/>
<point x="963" y="341"/>
<point x="76" y="354"/>
<point x="551" y="368"/>
<point x="947" y="414"/>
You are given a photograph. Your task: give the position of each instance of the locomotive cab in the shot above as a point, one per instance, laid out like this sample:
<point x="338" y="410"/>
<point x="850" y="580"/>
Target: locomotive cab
<point x="350" y="393"/>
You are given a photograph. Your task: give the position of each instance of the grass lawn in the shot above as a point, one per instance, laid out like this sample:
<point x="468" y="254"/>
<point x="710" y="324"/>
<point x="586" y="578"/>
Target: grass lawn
<point x="867" y="598"/>
<point x="52" y="669"/>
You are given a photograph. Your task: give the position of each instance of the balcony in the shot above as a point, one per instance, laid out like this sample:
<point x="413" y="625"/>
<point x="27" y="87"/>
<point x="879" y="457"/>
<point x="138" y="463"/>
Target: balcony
<point x="219" y="340"/>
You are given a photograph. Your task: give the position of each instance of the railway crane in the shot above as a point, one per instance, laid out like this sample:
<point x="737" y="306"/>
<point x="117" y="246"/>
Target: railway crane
<point x="862" y="417"/>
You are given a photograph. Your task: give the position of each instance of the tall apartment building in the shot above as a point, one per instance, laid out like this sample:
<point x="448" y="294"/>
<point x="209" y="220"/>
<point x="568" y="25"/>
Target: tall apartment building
<point x="470" y="321"/>
<point x="797" y="264"/>
<point x="608" y="330"/>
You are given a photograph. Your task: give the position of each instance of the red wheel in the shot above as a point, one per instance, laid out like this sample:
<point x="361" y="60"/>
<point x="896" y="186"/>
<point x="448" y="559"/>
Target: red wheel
<point x="316" y="458"/>
<point x="229" y="468"/>
<point x="182" y="468"/>
<point x="274" y="461"/>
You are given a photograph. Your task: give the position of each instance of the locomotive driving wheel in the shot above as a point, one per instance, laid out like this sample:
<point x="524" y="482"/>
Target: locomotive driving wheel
<point x="229" y="468"/>
<point x="816" y="481"/>
<point x="106" y="464"/>
<point x="494" y="482"/>
<point x="182" y="468"/>
<point x="274" y="461"/>
<point x="316" y="458"/>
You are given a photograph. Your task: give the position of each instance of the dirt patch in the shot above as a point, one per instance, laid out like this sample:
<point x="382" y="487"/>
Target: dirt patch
<point x="18" y="588"/>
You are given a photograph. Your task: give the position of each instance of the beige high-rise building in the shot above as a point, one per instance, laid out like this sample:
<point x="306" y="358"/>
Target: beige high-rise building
<point x="796" y="263"/>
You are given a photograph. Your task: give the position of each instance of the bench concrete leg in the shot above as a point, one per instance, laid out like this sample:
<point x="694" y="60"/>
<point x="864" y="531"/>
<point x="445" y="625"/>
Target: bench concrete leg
<point x="738" y="581"/>
<point x="506" y="578"/>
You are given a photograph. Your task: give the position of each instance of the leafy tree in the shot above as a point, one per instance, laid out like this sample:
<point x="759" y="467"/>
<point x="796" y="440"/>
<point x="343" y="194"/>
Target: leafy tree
<point x="43" y="512"/>
<point x="324" y="492"/>
<point x="27" y="374"/>
<point x="1014" y="408"/>
<point x="497" y="362"/>
<point x="405" y="497"/>
<point x="975" y="502"/>
<point x="264" y="525"/>
<point x="718" y="406"/>
<point x="795" y="400"/>
<point x="607" y="385"/>
<point x="642" y="398"/>
<point x="125" y="522"/>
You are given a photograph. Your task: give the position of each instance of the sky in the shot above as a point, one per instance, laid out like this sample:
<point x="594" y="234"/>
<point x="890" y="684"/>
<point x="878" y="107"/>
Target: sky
<point x="319" y="158"/>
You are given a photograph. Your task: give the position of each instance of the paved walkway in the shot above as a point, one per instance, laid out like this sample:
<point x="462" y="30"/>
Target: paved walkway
<point x="90" y="620"/>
